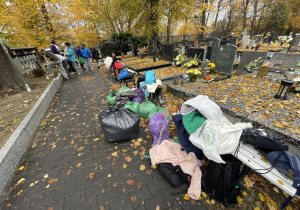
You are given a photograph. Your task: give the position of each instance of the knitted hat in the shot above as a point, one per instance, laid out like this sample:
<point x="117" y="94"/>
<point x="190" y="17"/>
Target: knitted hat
<point x="193" y="121"/>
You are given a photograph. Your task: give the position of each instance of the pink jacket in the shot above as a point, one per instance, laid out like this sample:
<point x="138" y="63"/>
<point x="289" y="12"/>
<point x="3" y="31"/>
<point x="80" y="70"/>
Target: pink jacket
<point x="170" y="152"/>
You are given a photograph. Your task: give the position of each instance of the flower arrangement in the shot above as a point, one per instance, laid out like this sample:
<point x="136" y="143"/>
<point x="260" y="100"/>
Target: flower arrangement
<point x="211" y="67"/>
<point x="193" y="73"/>
<point x="179" y="59"/>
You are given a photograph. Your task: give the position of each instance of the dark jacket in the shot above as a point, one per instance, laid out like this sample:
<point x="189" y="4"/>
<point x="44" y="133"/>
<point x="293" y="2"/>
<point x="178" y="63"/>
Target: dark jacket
<point x="51" y="55"/>
<point x="53" y="49"/>
<point x="183" y="137"/>
<point x="78" y="51"/>
<point x="95" y="54"/>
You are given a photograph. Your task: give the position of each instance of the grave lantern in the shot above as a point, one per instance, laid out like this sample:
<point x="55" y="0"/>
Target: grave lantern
<point x="283" y="89"/>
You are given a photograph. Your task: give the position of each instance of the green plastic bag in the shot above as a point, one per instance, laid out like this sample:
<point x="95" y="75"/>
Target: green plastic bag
<point x="134" y="106"/>
<point x="81" y="60"/>
<point x="123" y="89"/>
<point x="110" y="98"/>
<point x="158" y="110"/>
<point x="145" y="108"/>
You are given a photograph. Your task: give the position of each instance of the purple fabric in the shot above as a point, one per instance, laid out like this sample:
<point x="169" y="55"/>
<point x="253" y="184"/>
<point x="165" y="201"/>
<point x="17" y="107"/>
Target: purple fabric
<point x="155" y="125"/>
<point x="53" y="49"/>
<point x="140" y="98"/>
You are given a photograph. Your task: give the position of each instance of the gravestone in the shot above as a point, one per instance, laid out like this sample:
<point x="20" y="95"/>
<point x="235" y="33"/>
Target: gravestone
<point x="263" y="70"/>
<point x="258" y="38"/>
<point x="192" y="51"/>
<point x="232" y="41"/>
<point x="294" y="47"/>
<point x="287" y="60"/>
<point x="167" y="53"/>
<point x="251" y="43"/>
<point x="245" y="38"/>
<point x="249" y="56"/>
<point x="223" y="57"/>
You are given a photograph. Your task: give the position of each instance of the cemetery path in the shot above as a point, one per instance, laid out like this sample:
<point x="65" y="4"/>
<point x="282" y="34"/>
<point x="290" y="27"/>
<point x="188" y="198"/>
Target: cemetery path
<point x="70" y="165"/>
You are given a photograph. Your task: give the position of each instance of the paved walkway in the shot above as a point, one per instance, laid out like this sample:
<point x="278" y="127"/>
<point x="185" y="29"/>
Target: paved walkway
<point x="71" y="166"/>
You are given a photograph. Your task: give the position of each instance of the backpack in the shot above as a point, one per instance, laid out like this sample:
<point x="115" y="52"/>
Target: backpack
<point x="173" y="174"/>
<point x="221" y="181"/>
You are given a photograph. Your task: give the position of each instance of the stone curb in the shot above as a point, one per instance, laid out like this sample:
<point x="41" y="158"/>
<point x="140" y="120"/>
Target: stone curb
<point x="16" y="146"/>
<point x="234" y="117"/>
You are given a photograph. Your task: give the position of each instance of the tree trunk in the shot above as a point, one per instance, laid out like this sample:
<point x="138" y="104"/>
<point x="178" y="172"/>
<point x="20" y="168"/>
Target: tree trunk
<point x="203" y="20"/>
<point x="154" y="22"/>
<point x="229" y="18"/>
<point x="254" y="17"/>
<point x="10" y="76"/>
<point x="168" y="30"/>
<point x="245" y="4"/>
<point x="49" y="26"/>
<point x="216" y="19"/>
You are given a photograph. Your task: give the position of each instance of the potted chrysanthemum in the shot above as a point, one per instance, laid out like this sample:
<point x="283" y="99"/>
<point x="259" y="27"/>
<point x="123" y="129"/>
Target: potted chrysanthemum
<point x="212" y="68"/>
<point x="193" y="74"/>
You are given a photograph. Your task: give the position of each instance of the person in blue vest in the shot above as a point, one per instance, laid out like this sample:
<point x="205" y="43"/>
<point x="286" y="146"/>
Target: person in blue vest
<point x="71" y="57"/>
<point x="86" y="54"/>
<point x="78" y="54"/>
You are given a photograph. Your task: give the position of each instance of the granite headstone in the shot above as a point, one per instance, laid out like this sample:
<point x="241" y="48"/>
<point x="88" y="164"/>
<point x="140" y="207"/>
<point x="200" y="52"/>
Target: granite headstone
<point x="245" y="39"/>
<point x="247" y="57"/>
<point x="223" y="57"/>
<point x="167" y="52"/>
<point x="199" y="52"/>
<point x="295" y="44"/>
<point x="263" y="70"/>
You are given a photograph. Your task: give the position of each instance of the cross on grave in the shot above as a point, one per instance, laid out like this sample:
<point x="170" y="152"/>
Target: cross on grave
<point x="223" y="57"/>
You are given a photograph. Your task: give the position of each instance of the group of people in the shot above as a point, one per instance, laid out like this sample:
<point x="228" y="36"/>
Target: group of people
<point x="55" y="56"/>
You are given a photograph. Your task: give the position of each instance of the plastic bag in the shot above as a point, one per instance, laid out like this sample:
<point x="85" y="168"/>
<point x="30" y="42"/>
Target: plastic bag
<point x="134" y="106"/>
<point x="123" y="98"/>
<point x="145" y="108"/>
<point x="123" y="89"/>
<point x="111" y="98"/>
<point x="123" y="74"/>
<point x="263" y="139"/>
<point x="81" y="60"/>
<point x="159" y="110"/>
<point x="140" y="98"/>
<point x="119" y="124"/>
<point x="107" y="62"/>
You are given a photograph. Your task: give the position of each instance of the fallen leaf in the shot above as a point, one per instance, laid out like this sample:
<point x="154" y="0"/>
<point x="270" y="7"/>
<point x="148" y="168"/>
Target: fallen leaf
<point x="124" y="165"/>
<point x="208" y="201"/>
<point x="133" y="198"/>
<point x="261" y="197"/>
<point x="115" y="154"/>
<point x="248" y="182"/>
<point x="130" y="182"/>
<point x="142" y="167"/>
<point x="276" y="190"/>
<point x="21" y="168"/>
<point x="47" y="186"/>
<point x="157" y="207"/>
<point x="68" y="173"/>
<point x="149" y="171"/>
<point x="78" y="165"/>
<point x="19" y="192"/>
<point x="96" y="139"/>
<point x="280" y="182"/>
<point x="46" y="176"/>
<point x="92" y="175"/>
<point x="245" y="193"/>
<point x="186" y="197"/>
<point x="204" y="194"/>
<point x="140" y="140"/>
<point x="31" y="185"/>
<point x="109" y="175"/>
<point x="52" y="180"/>
<point x="20" y="181"/>
<point x="79" y="154"/>
<point x="213" y="201"/>
<point x="139" y="185"/>
<point x="256" y="208"/>
<point x="127" y="158"/>
<point x="200" y="198"/>
<point x="80" y="149"/>
<point x="240" y="200"/>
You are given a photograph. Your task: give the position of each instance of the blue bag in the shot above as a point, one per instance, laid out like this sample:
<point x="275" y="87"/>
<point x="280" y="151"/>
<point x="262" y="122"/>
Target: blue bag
<point x="123" y="74"/>
<point x="150" y="77"/>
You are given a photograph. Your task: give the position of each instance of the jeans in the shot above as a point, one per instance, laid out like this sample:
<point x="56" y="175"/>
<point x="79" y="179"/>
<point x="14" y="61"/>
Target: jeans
<point x="65" y="65"/>
<point x="60" y="68"/>
<point x="88" y="63"/>
<point x="73" y="66"/>
<point x="97" y="62"/>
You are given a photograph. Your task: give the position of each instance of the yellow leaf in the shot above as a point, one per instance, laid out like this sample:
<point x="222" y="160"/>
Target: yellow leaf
<point x="115" y="154"/>
<point x="52" y="180"/>
<point x="19" y="192"/>
<point x="154" y="167"/>
<point x="186" y="197"/>
<point x="46" y="176"/>
<point x="245" y="193"/>
<point x="96" y="139"/>
<point x="21" y="168"/>
<point x="109" y="175"/>
<point x="31" y="184"/>
<point x="240" y="200"/>
<point x="280" y="182"/>
<point x="124" y="165"/>
<point x="200" y="198"/>
<point x="140" y="140"/>
<point x="289" y="208"/>
<point x="256" y="208"/>
<point x="78" y="165"/>
<point x="142" y="167"/>
<point x="47" y="186"/>
<point x="275" y="189"/>
<point x="261" y="197"/>
<point x="208" y="201"/>
<point x="278" y="125"/>
<point x="204" y="194"/>
<point x="212" y="201"/>
<point x="20" y="181"/>
<point x="92" y="175"/>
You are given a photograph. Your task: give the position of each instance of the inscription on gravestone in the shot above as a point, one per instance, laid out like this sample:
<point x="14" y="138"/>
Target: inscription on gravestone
<point x="223" y="57"/>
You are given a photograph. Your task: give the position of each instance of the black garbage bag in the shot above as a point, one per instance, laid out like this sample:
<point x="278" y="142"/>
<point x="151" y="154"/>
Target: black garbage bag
<point x="263" y="139"/>
<point x="123" y="98"/>
<point x="119" y="124"/>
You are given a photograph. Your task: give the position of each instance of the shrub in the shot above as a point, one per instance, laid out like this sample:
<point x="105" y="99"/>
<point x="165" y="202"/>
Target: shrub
<point x="38" y="72"/>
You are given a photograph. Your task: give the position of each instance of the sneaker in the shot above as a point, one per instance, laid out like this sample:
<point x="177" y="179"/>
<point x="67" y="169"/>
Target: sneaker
<point x="90" y="69"/>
